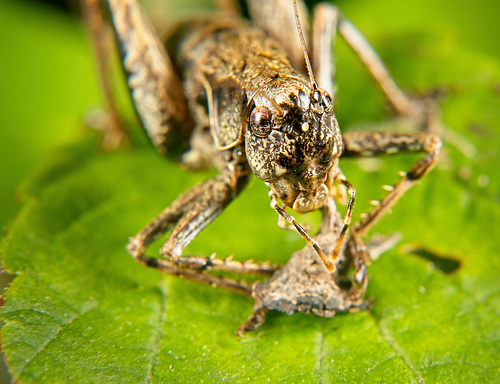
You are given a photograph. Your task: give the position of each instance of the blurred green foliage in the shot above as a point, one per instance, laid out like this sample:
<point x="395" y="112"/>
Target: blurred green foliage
<point x="48" y="81"/>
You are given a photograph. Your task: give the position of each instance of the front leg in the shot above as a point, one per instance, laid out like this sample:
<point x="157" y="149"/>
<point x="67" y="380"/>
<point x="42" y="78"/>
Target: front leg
<point x="330" y="258"/>
<point x="327" y="21"/>
<point x="188" y="215"/>
<point x="377" y="143"/>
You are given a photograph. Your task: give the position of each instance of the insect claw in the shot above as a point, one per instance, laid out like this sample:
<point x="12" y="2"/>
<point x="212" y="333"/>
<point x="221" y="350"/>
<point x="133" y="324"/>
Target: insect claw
<point x="403" y="173"/>
<point x="229" y="259"/>
<point x="363" y="215"/>
<point x="374" y="202"/>
<point x="388" y="188"/>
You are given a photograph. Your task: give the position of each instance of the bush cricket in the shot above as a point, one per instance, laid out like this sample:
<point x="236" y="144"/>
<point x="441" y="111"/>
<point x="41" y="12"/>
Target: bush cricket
<point x="247" y="98"/>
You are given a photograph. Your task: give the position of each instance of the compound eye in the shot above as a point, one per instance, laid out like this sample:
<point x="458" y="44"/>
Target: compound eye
<point x="260" y="122"/>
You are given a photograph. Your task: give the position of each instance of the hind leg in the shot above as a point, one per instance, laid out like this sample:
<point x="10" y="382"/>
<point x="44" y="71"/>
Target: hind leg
<point x="110" y="123"/>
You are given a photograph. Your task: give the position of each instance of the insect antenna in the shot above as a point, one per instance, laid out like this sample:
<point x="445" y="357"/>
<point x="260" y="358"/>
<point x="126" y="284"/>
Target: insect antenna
<point x="302" y="39"/>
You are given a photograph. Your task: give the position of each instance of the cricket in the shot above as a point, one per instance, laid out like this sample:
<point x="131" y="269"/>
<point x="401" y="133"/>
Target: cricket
<point x="256" y="97"/>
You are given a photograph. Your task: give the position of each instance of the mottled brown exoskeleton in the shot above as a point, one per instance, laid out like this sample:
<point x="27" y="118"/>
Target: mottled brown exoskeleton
<point x="243" y="97"/>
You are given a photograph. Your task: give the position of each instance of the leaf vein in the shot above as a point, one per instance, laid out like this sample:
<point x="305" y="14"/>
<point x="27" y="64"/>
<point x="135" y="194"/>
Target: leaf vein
<point x="63" y="326"/>
<point x="400" y="352"/>
<point x="159" y="327"/>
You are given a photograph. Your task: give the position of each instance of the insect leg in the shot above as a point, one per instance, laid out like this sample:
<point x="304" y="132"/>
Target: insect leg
<point x="326" y="259"/>
<point x="369" y="57"/>
<point x="154" y="86"/>
<point x="170" y="268"/>
<point x="186" y="217"/>
<point x="423" y="112"/>
<point x="255" y="320"/>
<point x="358" y="255"/>
<point x="324" y="33"/>
<point x="377" y="143"/>
<point x="347" y="218"/>
<point x="114" y="133"/>
<point x="289" y="218"/>
<point x="327" y="20"/>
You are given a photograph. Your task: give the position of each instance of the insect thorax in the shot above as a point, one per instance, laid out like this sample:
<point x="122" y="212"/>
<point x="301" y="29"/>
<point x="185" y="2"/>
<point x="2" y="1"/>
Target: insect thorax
<point x="239" y="82"/>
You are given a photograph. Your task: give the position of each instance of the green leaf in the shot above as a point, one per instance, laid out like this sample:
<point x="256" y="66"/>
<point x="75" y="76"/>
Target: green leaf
<point x="81" y="310"/>
<point x="48" y="81"/>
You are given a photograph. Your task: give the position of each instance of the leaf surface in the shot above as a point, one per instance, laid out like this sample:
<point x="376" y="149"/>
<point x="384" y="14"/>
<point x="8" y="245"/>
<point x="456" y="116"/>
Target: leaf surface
<point x="81" y="310"/>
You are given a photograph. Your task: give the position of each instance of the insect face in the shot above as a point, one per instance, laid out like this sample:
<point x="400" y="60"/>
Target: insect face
<point x="292" y="142"/>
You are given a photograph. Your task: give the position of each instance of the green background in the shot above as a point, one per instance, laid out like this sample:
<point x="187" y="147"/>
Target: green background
<point x="80" y="310"/>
